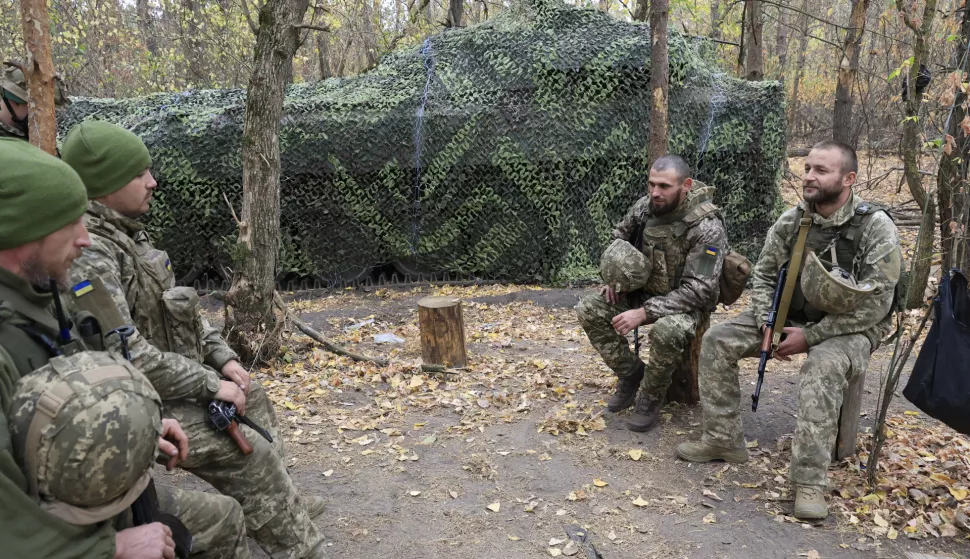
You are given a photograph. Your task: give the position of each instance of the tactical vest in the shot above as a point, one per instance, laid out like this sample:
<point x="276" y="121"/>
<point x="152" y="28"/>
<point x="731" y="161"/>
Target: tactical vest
<point x="168" y="317"/>
<point x="664" y="242"/>
<point x="27" y="333"/>
<point x="847" y="239"/>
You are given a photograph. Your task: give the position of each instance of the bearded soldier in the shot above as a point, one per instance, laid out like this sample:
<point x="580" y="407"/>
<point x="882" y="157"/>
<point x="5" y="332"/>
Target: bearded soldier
<point x="79" y="429"/>
<point x="673" y="280"/>
<point x="13" y="108"/>
<point x="840" y="311"/>
<point x="124" y="279"/>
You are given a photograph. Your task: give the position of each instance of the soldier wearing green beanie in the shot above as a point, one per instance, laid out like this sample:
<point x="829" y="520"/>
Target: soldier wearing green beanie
<point x="42" y="201"/>
<point x="187" y="361"/>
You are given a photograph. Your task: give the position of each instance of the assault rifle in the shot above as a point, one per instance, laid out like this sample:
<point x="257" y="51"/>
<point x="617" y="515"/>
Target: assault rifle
<point x="223" y="417"/>
<point x="769" y="332"/>
<point x="145" y="509"/>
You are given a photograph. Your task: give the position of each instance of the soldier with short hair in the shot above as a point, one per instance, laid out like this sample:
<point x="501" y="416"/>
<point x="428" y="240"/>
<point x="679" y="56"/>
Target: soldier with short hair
<point x="79" y="429"/>
<point x="671" y="283"/>
<point x="13" y="101"/>
<point x="127" y="280"/>
<point x="840" y="311"/>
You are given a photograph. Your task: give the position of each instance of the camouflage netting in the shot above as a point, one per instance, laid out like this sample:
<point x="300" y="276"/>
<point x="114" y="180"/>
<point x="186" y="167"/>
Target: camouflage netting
<point x="502" y="151"/>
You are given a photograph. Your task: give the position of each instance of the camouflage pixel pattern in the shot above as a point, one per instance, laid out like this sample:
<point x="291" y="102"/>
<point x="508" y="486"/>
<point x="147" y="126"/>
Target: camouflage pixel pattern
<point x="215" y="521"/>
<point x="834" y="291"/>
<point x="503" y="150"/>
<point x="623" y="267"/>
<point x="7" y="131"/>
<point x="102" y="437"/>
<point x="137" y="274"/>
<point x="823" y="377"/>
<point x="878" y="266"/>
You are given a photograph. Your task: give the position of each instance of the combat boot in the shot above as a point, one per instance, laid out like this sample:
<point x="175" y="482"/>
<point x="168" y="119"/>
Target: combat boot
<point x="703" y="452"/>
<point x="314" y="506"/>
<point x="810" y="503"/>
<point x="626" y="390"/>
<point x="646" y="414"/>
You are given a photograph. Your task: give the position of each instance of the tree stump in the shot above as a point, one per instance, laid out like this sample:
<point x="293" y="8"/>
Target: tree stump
<point x="683" y="386"/>
<point x="442" y="332"/>
<point x="845" y="442"/>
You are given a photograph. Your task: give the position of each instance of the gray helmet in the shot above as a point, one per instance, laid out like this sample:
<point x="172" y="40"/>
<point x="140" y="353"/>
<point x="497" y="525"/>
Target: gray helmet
<point x="832" y="291"/>
<point x="14" y="86"/>
<point x="624" y="268"/>
<point x="85" y="430"/>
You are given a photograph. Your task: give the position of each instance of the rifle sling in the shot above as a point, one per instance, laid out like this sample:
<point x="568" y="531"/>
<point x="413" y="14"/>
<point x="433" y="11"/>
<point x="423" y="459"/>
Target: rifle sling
<point x="794" y="269"/>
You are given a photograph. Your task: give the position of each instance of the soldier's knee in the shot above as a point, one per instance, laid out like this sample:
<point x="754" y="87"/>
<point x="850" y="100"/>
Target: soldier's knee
<point x="589" y="310"/>
<point x="667" y="331"/>
<point x="827" y="360"/>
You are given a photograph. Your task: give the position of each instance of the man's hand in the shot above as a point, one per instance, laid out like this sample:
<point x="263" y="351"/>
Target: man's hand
<point x="627" y="321"/>
<point x="793" y="344"/>
<point x="173" y="443"/>
<point x="235" y="372"/>
<point x="230" y="392"/>
<point x="610" y="295"/>
<point x="151" y="541"/>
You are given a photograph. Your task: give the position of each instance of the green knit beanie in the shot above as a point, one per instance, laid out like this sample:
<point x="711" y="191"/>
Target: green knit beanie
<point x="39" y="193"/>
<point x="105" y="155"/>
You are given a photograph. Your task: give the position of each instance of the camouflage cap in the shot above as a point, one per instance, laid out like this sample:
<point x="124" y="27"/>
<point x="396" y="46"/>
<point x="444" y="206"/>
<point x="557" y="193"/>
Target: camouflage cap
<point x="85" y="430"/>
<point x="624" y="268"/>
<point x="834" y="291"/>
<point x="14" y="84"/>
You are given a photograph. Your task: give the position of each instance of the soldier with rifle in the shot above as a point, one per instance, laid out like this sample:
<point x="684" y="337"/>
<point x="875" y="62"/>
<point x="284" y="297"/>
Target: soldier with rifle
<point x="123" y="280"/>
<point x="825" y="285"/>
<point x="662" y="268"/>
<point x="80" y="429"/>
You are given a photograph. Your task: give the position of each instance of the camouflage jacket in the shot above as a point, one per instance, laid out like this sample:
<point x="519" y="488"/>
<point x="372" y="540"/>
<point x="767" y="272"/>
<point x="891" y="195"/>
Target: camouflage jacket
<point x="134" y="272"/>
<point x="687" y="249"/>
<point x="878" y="266"/>
<point x="26" y="530"/>
<point x="7" y="131"/>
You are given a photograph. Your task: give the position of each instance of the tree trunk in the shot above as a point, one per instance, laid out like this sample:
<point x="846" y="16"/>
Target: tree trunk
<point x="923" y="258"/>
<point x="961" y="237"/>
<point x="39" y="71"/>
<point x="659" y="79"/>
<point x="369" y="38"/>
<point x="848" y="70"/>
<point x="716" y="21"/>
<point x="455" y="11"/>
<point x="323" y="51"/>
<point x="147" y="27"/>
<point x="754" y="56"/>
<point x="194" y="48"/>
<point x="781" y="43"/>
<point x="251" y="325"/>
<point x="799" y="64"/>
<point x="642" y="10"/>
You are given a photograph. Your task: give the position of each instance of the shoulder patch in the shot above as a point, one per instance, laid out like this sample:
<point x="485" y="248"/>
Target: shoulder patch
<point x="708" y="261"/>
<point x="82" y="288"/>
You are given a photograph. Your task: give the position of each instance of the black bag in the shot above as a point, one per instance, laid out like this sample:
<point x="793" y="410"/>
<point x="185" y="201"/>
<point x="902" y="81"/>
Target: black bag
<point x="940" y="382"/>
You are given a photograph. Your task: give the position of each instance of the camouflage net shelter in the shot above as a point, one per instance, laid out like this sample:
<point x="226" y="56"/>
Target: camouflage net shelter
<point x="506" y="150"/>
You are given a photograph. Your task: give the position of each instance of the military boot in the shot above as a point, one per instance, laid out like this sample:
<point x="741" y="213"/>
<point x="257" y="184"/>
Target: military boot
<point x="810" y="503"/>
<point x="646" y="414"/>
<point x="703" y="452"/>
<point x="314" y="506"/>
<point x="626" y="390"/>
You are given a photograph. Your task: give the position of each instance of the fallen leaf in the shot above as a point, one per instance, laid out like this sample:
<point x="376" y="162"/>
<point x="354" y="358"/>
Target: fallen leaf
<point x="710" y="519"/>
<point x="636" y="453"/>
<point x="958" y="493"/>
<point x="415" y="493"/>
<point x="328" y="473"/>
<point x="555" y="551"/>
<point x="811" y="554"/>
<point x="908" y="412"/>
<point x="494" y="507"/>
<point x="570" y="549"/>
<point x="892" y="534"/>
<point x="454" y="494"/>
<point x="712" y="495"/>
<point x="752" y="444"/>
<point x="555" y="541"/>
<point x="600" y="483"/>
<point x="514" y="538"/>
<point x="611" y="536"/>
<point x="640" y="502"/>
<point x="880" y="521"/>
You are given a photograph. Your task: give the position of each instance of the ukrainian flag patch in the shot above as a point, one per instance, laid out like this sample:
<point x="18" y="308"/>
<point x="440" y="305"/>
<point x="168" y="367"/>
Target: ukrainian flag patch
<point x="712" y="251"/>
<point x="707" y="262"/>
<point x="82" y="288"/>
<point x="168" y="264"/>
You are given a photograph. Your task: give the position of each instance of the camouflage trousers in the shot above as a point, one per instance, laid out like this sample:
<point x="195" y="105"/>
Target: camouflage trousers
<point x="215" y="521"/>
<point x="667" y="341"/>
<point x="821" y="381"/>
<point x="276" y="516"/>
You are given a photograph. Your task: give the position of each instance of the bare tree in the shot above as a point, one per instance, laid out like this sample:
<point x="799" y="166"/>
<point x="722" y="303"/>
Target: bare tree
<point x="642" y="10"/>
<point x="754" y="53"/>
<point x="716" y="19"/>
<point x="659" y="78"/>
<point x="39" y="71"/>
<point x="951" y="178"/>
<point x="842" y="130"/>
<point x="781" y="42"/>
<point x="251" y="325"/>
<point x="455" y="10"/>
<point x="799" y="63"/>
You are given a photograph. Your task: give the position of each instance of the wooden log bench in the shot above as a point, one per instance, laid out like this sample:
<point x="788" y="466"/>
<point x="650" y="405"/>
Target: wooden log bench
<point x="442" y="332"/>
<point x="849" y="418"/>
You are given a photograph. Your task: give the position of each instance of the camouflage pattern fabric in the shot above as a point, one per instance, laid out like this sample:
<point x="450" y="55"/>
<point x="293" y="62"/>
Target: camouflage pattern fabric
<point x="623" y="267"/>
<point x="215" y="521"/>
<point x="139" y="278"/>
<point x="7" y="131"/>
<point x="839" y="344"/>
<point x="823" y="377"/>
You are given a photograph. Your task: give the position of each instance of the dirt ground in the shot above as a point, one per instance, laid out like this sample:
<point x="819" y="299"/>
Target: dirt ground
<point x="496" y="460"/>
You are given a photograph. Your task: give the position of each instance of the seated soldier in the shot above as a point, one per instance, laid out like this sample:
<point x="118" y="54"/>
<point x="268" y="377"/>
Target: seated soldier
<point x="837" y="318"/>
<point x="78" y="429"/>
<point x="13" y="101"/>
<point x="672" y="283"/>
<point x="187" y="361"/>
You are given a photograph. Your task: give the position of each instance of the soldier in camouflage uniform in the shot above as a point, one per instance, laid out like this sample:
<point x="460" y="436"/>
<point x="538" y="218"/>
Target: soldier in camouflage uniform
<point x="98" y="409"/>
<point x="683" y="244"/>
<point x="13" y="101"/>
<point x="838" y="344"/>
<point x="187" y="361"/>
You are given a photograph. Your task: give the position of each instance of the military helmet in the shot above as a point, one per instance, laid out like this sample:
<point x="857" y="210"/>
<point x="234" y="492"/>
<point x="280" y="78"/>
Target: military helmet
<point x="14" y="86"/>
<point x="832" y="291"/>
<point x="85" y="430"/>
<point x="624" y="268"/>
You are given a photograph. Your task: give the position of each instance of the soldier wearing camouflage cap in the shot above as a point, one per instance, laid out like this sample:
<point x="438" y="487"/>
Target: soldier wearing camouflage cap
<point x="674" y="279"/>
<point x="838" y="320"/>
<point x="13" y="101"/>
<point x="187" y="361"/>
<point x="79" y="429"/>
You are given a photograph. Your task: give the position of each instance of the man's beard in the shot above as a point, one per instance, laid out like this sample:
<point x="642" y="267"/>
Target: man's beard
<point x="35" y="273"/>
<point x="823" y="194"/>
<point x="663" y="210"/>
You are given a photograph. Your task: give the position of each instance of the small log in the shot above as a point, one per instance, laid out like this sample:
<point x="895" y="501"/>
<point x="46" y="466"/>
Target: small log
<point x="683" y="386"/>
<point x="442" y="332"/>
<point x="845" y="442"/>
